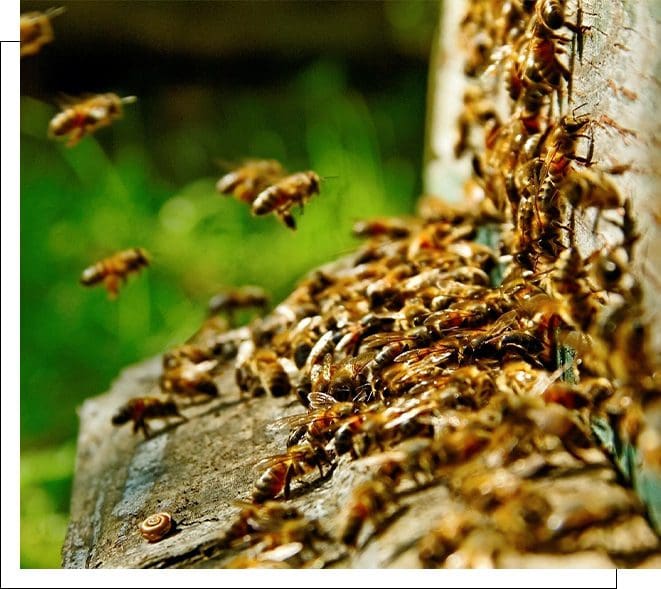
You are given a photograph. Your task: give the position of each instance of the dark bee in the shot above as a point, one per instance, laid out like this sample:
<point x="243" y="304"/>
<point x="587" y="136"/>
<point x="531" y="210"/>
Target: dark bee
<point x="140" y="409"/>
<point x="115" y="269"/>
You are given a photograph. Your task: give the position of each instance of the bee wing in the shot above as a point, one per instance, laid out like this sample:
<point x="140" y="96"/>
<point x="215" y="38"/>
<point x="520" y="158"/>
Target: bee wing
<point x="64" y="101"/>
<point x="382" y="458"/>
<point x="319" y="400"/>
<point x="295" y="420"/>
<point x="378" y="340"/>
<point x="270" y="461"/>
<point x="281" y="553"/>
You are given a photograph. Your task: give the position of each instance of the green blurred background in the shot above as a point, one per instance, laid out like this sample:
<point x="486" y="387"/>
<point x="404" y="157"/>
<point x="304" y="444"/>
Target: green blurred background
<point x="336" y="87"/>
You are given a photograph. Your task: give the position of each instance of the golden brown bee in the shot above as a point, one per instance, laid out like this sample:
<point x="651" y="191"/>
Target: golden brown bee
<point x="84" y="116"/>
<point x="113" y="270"/>
<point x="371" y="501"/>
<point x="281" y="469"/>
<point x="444" y="538"/>
<point x="140" y="409"/>
<point x="260" y="372"/>
<point x="239" y="298"/>
<point x="246" y="182"/>
<point x="322" y="419"/>
<point x="282" y="196"/>
<point x="189" y="378"/>
<point x="391" y="228"/>
<point x="36" y="30"/>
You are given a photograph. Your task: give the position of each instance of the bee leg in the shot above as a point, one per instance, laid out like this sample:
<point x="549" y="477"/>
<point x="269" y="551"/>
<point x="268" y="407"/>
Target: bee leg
<point x="111" y="282"/>
<point x="288" y="219"/>
<point x="288" y="478"/>
<point x="75" y="137"/>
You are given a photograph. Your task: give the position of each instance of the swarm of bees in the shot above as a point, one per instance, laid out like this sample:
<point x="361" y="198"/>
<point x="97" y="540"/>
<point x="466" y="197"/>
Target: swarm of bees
<point x="434" y="355"/>
<point x="266" y="187"/>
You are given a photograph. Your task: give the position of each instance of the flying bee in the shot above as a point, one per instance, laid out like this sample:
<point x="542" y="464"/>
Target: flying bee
<point x="113" y="270"/>
<point x="281" y="470"/>
<point x="370" y="501"/>
<point x="286" y="193"/>
<point x="246" y="182"/>
<point x="190" y="378"/>
<point x="140" y="409"/>
<point x="244" y="297"/>
<point x="36" y="30"/>
<point x="84" y="116"/>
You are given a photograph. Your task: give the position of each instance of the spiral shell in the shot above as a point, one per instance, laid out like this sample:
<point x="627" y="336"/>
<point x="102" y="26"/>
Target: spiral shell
<point x="156" y="526"/>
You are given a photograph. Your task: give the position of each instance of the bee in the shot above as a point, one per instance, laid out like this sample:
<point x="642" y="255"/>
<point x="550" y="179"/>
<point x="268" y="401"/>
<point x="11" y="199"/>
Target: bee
<point x="113" y="270"/>
<point x="140" y="409"/>
<point x="281" y="470"/>
<point x="444" y="538"/>
<point x="190" y="378"/>
<point x="370" y="501"/>
<point x="261" y="372"/>
<point x="247" y="181"/>
<point x="321" y="420"/>
<point x="391" y="228"/>
<point x="186" y="352"/>
<point x="272" y="373"/>
<point x="84" y="116"/>
<point x="240" y="298"/>
<point x="280" y="197"/>
<point x="36" y="30"/>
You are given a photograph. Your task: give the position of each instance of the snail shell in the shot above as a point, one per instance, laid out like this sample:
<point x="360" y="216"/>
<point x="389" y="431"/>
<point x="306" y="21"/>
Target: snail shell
<point x="156" y="526"/>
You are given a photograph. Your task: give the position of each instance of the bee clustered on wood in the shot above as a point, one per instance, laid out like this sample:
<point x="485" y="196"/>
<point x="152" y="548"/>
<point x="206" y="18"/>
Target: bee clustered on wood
<point x="472" y="348"/>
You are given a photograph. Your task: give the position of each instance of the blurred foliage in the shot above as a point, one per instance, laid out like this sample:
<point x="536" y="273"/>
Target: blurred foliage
<point x="148" y="181"/>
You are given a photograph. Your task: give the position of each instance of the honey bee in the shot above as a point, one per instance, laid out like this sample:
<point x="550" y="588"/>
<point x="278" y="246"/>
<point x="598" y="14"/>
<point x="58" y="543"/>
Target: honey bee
<point x="247" y="181"/>
<point x="84" y="116"/>
<point x="113" y="270"/>
<point x="239" y="298"/>
<point x="36" y="30"/>
<point x="321" y="420"/>
<point x="370" y="501"/>
<point x="261" y="373"/>
<point x="190" y="378"/>
<point x="444" y="538"/>
<point x="280" y="197"/>
<point x="391" y="228"/>
<point x="281" y="470"/>
<point x="140" y="409"/>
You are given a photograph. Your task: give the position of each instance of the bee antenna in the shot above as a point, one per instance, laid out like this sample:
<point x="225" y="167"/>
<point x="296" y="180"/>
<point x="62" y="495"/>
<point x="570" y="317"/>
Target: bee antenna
<point x="129" y="99"/>
<point x="573" y="112"/>
<point x="329" y="177"/>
